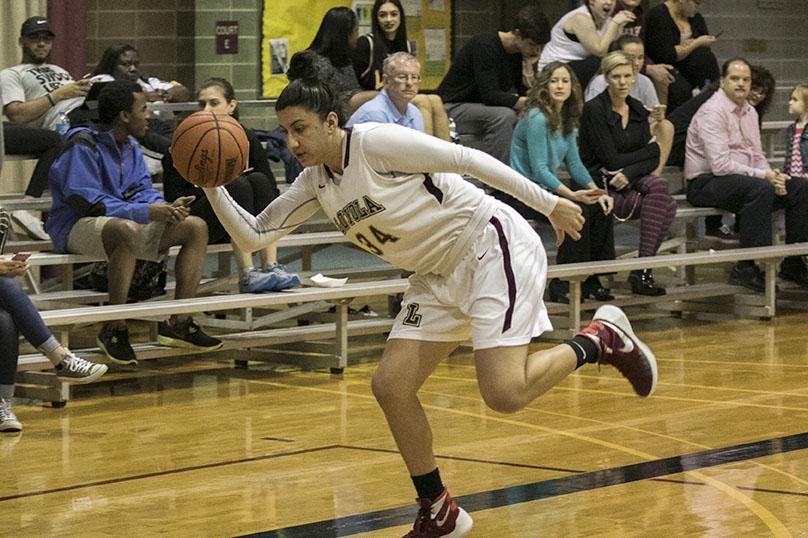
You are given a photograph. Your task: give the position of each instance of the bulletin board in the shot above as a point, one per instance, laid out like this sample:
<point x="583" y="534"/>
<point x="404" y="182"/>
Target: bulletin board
<point x="288" y="28"/>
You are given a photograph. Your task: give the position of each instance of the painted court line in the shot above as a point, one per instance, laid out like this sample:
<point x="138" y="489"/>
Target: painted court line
<point x="486" y="500"/>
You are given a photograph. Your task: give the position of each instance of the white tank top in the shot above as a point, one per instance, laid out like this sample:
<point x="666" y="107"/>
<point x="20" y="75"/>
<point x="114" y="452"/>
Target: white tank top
<point x="563" y="49"/>
<point x="399" y="197"/>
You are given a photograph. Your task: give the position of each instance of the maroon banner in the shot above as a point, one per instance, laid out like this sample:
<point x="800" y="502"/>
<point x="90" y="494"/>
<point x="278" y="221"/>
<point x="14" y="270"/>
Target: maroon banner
<point x="68" y="20"/>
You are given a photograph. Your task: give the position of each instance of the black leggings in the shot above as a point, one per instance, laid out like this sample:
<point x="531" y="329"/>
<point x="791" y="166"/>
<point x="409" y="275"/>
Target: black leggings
<point x="596" y="242"/>
<point x="694" y="71"/>
<point x="45" y="145"/>
<point x="253" y="192"/>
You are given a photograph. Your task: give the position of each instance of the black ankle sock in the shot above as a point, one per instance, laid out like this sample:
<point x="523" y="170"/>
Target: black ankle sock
<point x="585" y="350"/>
<point x="429" y="485"/>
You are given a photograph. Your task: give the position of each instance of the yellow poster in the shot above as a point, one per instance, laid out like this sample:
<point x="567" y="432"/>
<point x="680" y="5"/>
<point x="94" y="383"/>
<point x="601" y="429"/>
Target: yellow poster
<point x="289" y="26"/>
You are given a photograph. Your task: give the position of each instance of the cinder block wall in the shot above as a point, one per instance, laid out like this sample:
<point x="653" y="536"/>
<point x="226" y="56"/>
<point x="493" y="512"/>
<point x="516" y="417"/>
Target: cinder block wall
<point x="773" y="38"/>
<point x="475" y="16"/>
<point x="161" y="30"/>
<point x="176" y="37"/>
<point x="243" y="69"/>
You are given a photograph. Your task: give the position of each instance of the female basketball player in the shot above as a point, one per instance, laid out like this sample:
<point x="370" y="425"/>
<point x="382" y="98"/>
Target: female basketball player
<point x="479" y="270"/>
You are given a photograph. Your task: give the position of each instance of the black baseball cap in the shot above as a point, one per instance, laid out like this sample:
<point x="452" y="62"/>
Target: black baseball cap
<point x="35" y="24"/>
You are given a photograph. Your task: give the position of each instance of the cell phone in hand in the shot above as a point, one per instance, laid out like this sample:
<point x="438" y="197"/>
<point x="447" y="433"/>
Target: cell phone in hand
<point x="21" y="256"/>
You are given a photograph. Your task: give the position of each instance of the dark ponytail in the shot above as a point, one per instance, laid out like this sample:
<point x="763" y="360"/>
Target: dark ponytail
<point x="307" y="91"/>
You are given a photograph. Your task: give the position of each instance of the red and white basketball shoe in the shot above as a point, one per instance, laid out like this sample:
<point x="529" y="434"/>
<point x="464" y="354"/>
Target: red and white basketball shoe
<point x="440" y="518"/>
<point x="611" y="331"/>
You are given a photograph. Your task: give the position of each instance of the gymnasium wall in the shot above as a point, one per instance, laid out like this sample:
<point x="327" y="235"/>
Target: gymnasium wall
<point x="161" y="30"/>
<point x="773" y="33"/>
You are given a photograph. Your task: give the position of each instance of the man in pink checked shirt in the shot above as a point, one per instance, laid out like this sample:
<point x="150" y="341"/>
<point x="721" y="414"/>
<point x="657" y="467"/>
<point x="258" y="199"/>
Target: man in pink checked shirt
<point x="726" y="168"/>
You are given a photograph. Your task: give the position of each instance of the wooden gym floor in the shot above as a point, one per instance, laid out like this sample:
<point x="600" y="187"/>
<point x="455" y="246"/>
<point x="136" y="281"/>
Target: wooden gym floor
<point x="196" y="448"/>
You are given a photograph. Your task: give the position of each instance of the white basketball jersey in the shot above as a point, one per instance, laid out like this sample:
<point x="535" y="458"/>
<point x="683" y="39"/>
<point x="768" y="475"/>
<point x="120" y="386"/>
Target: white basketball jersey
<point x="396" y="198"/>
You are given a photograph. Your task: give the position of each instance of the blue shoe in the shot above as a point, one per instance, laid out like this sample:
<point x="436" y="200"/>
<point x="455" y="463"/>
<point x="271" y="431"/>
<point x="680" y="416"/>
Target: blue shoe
<point x="275" y="278"/>
<point x="281" y="271"/>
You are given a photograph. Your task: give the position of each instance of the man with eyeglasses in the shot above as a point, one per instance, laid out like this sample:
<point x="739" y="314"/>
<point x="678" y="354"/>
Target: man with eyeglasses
<point x="401" y="76"/>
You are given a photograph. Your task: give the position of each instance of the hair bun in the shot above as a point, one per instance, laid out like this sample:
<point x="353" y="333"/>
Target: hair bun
<point x="302" y="67"/>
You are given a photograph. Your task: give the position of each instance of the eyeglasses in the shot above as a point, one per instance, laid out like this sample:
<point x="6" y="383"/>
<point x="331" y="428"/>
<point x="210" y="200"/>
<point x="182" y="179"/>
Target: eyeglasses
<point x="415" y="79"/>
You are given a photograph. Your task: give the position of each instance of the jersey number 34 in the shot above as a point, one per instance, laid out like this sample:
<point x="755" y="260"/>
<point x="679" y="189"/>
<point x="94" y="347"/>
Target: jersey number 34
<point x="380" y="239"/>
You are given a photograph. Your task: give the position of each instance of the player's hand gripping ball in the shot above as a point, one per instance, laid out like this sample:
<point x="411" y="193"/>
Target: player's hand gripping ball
<point x="209" y="149"/>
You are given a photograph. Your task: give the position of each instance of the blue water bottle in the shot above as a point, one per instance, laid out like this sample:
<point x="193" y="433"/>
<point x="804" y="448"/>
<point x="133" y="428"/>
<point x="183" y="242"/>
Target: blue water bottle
<point x="62" y="124"/>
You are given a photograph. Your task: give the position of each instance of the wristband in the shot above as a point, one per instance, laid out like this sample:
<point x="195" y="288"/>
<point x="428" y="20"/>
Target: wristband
<point x="50" y="98"/>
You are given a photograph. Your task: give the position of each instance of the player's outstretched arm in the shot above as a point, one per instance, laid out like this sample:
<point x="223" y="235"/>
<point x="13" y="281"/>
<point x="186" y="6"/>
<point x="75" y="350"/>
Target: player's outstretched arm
<point x="394" y="148"/>
<point x="567" y="219"/>
<point x="284" y="214"/>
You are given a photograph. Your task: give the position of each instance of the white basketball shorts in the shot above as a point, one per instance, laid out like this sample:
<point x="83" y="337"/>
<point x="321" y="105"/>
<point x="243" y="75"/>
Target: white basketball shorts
<point x="494" y="296"/>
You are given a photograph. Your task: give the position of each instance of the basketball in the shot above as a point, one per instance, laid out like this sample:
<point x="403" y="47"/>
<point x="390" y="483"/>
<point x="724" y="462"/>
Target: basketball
<point x="209" y="149"/>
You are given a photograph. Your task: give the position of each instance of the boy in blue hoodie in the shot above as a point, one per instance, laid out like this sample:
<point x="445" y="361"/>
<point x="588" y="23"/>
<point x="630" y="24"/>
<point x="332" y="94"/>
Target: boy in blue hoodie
<point x="105" y="205"/>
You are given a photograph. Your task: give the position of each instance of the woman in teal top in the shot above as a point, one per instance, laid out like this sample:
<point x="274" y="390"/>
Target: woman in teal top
<point x="544" y="138"/>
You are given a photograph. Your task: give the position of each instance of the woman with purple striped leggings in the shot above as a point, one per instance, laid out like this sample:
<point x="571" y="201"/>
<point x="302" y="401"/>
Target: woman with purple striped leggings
<point x="620" y="145"/>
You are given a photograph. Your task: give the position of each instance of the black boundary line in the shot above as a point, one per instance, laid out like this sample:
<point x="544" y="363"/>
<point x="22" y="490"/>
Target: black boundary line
<point x="580" y="481"/>
<point x="166" y="472"/>
<point x="250" y="460"/>
<point x="486" y="500"/>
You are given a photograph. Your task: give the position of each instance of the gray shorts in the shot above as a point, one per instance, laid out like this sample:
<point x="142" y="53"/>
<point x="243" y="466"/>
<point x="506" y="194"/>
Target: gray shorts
<point x="85" y="238"/>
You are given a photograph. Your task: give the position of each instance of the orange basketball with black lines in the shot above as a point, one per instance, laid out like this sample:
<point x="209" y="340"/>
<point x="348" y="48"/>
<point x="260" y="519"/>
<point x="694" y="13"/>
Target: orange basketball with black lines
<point x="209" y="149"/>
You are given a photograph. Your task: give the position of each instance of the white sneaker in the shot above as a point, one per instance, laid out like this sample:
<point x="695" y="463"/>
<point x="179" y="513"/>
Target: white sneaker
<point x="8" y="420"/>
<point x="30" y="224"/>
<point x="78" y="371"/>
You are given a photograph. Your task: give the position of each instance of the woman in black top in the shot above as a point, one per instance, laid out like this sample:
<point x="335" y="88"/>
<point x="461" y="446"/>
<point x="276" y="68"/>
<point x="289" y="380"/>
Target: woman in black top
<point x="676" y="34"/>
<point x="334" y="46"/>
<point x="389" y="35"/>
<point x="620" y="146"/>
<point x="254" y="190"/>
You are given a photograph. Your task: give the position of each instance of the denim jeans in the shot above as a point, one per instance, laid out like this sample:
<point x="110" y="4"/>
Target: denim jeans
<point x="17" y="313"/>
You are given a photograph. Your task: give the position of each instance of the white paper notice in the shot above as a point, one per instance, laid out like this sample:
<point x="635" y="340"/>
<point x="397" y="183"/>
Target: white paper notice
<point x="435" y="41"/>
<point x="435" y="51"/>
<point x="279" y="52"/>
